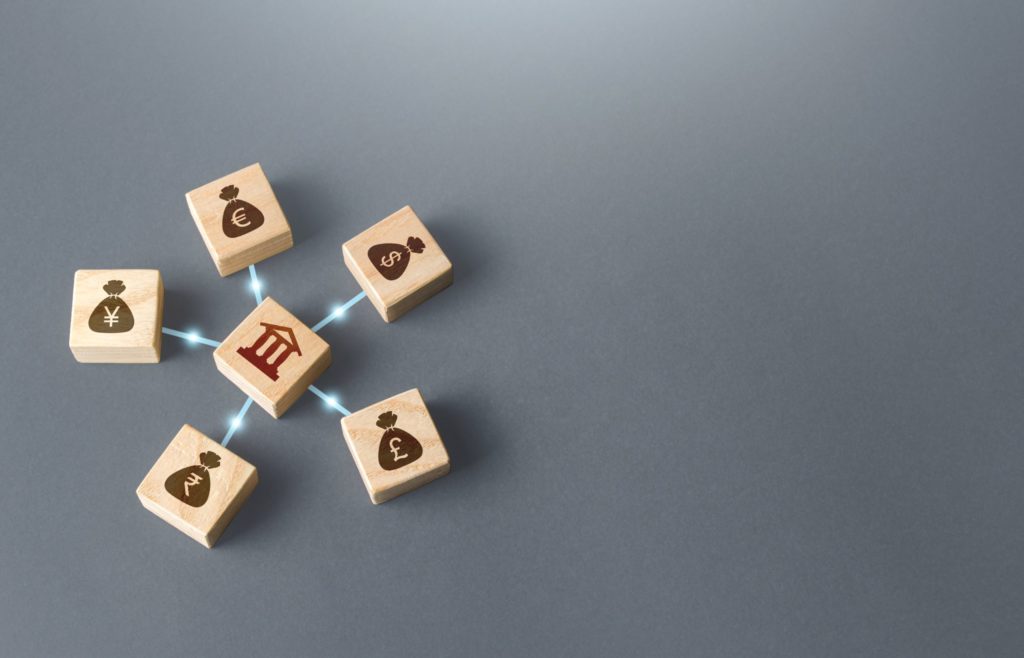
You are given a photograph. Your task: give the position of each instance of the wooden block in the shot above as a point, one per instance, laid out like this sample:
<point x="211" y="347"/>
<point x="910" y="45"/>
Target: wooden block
<point x="398" y="263"/>
<point x="240" y="219"/>
<point x="197" y="485"/>
<point x="272" y="357"/>
<point x="396" y="446"/>
<point x="116" y="316"/>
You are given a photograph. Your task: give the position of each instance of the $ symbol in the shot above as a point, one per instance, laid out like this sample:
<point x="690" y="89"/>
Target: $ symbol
<point x="394" y="448"/>
<point x="111" y="318"/>
<point x="391" y="259"/>
<point x="239" y="219"/>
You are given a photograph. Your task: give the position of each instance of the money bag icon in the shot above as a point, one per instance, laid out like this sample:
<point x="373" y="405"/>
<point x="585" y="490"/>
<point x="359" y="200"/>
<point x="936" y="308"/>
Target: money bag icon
<point x="191" y="485"/>
<point x="391" y="259"/>
<point x="240" y="217"/>
<point x="112" y="315"/>
<point x="397" y="447"/>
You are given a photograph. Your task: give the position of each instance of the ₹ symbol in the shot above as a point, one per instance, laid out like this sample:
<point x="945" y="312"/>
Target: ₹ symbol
<point x="191" y="485"/>
<point x="391" y="259"/>
<point x="112" y="315"/>
<point x="397" y="447"/>
<point x="240" y="217"/>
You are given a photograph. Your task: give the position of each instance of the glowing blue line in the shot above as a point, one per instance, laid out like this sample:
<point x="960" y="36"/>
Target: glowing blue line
<point x="256" y="285"/>
<point x="236" y="422"/>
<point x="191" y="337"/>
<point x="337" y="313"/>
<point x="330" y="400"/>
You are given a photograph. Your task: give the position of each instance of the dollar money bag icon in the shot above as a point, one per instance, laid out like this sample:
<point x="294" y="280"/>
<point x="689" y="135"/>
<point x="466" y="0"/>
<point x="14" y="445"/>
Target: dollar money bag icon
<point x="191" y="485"/>
<point x="240" y="217"/>
<point x="112" y="315"/>
<point x="397" y="447"/>
<point x="391" y="259"/>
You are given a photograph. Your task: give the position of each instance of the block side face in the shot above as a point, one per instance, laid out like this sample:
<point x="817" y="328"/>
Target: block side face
<point x="364" y="283"/>
<point x="396" y="445"/>
<point x="193" y="483"/>
<point x="397" y="258"/>
<point x="120" y="326"/>
<point x="240" y="219"/>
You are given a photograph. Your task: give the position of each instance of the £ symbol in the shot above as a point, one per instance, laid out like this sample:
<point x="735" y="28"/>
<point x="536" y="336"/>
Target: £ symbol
<point x="391" y="259"/>
<point x="394" y="449"/>
<point x="239" y="219"/>
<point x="111" y="317"/>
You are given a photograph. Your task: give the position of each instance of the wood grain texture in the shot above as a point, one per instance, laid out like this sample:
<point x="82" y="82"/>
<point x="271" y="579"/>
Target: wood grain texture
<point x="231" y="482"/>
<point x="144" y="296"/>
<point x="363" y="437"/>
<point x="295" y="373"/>
<point x="231" y="254"/>
<point x="428" y="273"/>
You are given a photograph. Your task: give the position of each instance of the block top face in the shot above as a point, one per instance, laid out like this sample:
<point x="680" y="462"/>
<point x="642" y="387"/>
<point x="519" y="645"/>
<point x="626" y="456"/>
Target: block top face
<point x="238" y="214"/>
<point x="271" y="349"/>
<point x="194" y="482"/>
<point x="394" y="441"/>
<point x="116" y="308"/>
<point x="397" y="256"/>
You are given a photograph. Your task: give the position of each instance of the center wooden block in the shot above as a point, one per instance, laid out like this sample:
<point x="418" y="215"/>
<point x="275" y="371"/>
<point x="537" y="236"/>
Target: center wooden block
<point x="240" y="219"/>
<point x="395" y="445"/>
<point x="272" y="357"/>
<point x="197" y="485"/>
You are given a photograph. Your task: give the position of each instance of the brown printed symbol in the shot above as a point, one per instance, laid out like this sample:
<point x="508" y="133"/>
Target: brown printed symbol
<point x="283" y="337"/>
<point x="112" y="315"/>
<point x="391" y="259"/>
<point x="240" y="217"/>
<point x="397" y="447"/>
<point x="191" y="485"/>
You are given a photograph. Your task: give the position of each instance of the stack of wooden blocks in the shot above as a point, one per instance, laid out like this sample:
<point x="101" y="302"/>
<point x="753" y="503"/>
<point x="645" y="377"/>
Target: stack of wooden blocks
<point x="198" y="485"/>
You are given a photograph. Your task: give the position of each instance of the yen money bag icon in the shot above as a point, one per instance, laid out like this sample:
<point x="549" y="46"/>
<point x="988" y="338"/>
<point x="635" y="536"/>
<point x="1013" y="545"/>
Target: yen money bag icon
<point x="240" y="217"/>
<point x="397" y="447"/>
<point x="112" y="315"/>
<point x="192" y="485"/>
<point x="391" y="259"/>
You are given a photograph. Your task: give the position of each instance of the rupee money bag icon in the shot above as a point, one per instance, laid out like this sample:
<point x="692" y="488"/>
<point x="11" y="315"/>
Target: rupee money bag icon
<point x="191" y="485"/>
<point x="112" y="315"/>
<point x="240" y="217"/>
<point x="397" y="447"/>
<point x="391" y="259"/>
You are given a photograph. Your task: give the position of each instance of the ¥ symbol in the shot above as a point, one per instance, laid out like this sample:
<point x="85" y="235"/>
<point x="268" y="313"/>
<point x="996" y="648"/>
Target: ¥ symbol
<point x="112" y="315"/>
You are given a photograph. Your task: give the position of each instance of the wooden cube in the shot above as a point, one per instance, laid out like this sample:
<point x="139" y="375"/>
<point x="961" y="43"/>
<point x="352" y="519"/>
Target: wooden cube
<point x="197" y="485"/>
<point x="240" y="219"/>
<point x="398" y="263"/>
<point x="116" y="316"/>
<point x="272" y="357"/>
<point x="395" y="445"/>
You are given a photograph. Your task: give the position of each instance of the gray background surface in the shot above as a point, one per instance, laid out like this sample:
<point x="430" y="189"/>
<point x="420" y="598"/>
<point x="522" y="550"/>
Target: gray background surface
<point x="731" y="366"/>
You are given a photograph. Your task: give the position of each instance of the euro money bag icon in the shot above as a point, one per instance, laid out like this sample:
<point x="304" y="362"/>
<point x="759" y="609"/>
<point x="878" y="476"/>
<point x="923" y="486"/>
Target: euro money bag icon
<point x="240" y="217"/>
<point x="391" y="259"/>
<point x="191" y="485"/>
<point x="112" y="315"/>
<point x="397" y="447"/>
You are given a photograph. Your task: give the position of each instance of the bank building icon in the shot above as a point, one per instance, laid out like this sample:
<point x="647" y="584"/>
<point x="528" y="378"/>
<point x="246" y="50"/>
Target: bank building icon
<point x="271" y="349"/>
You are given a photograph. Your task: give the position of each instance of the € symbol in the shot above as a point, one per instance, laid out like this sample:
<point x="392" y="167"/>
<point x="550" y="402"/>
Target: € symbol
<point x="238" y="217"/>
<point x="394" y="448"/>
<point x="391" y="259"/>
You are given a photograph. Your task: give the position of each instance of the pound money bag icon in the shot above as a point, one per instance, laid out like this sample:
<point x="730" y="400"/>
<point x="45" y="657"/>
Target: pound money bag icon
<point x="112" y="315"/>
<point x="397" y="447"/>
<point x="240" y="217"/>
<point x="391" y="259"/>
<point x="191" y="485"/>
